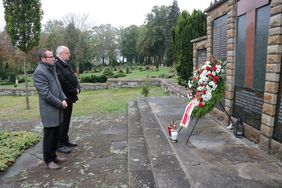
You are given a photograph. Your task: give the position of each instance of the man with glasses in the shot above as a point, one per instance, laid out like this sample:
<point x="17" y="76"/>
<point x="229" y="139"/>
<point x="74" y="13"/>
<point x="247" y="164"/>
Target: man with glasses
<point x="52" y="101"/>
<point x="71" y="89"/>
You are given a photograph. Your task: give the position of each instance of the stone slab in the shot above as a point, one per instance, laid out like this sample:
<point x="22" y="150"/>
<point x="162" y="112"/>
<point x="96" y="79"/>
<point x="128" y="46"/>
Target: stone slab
<point x="138" y="157"/>
<point x="141" y="179"/>
<point x="157" y="142"/>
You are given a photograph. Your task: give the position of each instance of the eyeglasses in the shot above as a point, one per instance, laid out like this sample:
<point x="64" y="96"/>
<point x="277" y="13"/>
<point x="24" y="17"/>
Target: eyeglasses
<point x="50" y="57"/>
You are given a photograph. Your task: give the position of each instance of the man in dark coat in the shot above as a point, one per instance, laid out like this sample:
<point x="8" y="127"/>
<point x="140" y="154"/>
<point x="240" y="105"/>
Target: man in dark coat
<point x="71" y="89"/>
<point x="52" y="101"/>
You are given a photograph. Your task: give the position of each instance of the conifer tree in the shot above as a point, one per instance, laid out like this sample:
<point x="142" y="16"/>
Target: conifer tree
<point x="188" y="27"/>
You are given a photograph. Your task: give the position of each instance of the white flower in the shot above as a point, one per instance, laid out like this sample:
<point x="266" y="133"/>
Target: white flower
<point x="207" y="96"/>
<point x="204" y="73"/>
<point x="213" y="85"/>
<point x="190" y="96"/>
<point x="218" y="69"/>
<point x="189" y="84"/>
<point x="200" y="88"/>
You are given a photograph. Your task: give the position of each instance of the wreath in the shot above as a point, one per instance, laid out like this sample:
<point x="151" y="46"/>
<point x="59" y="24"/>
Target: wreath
<point x="206" y="86"/>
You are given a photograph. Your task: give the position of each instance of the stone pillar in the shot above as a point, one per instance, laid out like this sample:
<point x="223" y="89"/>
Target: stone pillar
<point x="273" y="67"/>
<point x="195" y="55"/>
<point x="230" y="69"/>
<point x="209" y="35"/>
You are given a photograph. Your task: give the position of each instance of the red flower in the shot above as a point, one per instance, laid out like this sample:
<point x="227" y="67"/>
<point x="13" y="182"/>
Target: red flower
<point x="215" y="79"/>
<point x="210" y="74"/>
<point x="214" y="68"/>
<point x="204" y="92"/>
<point x="201" y="99"/>
<point x="200" y="104"/>
<point x="208" y="68"/>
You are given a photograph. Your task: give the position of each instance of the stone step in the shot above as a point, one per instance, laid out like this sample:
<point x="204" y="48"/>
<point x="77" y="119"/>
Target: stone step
<point x="139" y="163"/>
<point x="166" y="168"/>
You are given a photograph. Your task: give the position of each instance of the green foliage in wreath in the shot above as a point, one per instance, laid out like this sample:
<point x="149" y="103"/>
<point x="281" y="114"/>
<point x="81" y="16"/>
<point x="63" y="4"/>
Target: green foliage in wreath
<point x="217" y="96"/>
<point x="206" y="86"/>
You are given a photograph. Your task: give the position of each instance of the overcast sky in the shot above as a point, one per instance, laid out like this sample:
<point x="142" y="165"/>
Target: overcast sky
<point x="115" y="12"/>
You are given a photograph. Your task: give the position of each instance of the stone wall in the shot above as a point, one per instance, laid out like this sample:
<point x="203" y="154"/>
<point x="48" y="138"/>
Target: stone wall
<point x="198" y="43"/>
<point x="130" y="83"/>
<point x="217" y="10"/>
<point x="273" y="67"/>
<point x="17" y="92"/>
<point x="168" y="86"/>
<point x="272" y="78"/>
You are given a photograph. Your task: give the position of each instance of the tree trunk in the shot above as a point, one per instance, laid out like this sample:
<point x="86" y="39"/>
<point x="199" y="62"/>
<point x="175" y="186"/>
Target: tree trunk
<point x="157" y="62"/>
<point x="26" y="84"/>
<point x="77" y="68"/>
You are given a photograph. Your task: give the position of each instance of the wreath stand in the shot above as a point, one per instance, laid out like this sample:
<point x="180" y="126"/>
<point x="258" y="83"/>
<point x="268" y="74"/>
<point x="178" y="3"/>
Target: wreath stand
<point x="238" y="126"/>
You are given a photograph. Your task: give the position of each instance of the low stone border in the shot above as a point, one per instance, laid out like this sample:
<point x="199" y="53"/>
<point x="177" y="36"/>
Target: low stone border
<point x="17" y="92"/>
<point x="168" y="86"/>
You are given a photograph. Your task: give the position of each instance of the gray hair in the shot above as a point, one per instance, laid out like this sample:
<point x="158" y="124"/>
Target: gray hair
<point x="60" y="49"/>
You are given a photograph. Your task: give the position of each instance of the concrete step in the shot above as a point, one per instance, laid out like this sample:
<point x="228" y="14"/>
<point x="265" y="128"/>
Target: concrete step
<point x="166" y="168"/>
<point x="139" y="163"/>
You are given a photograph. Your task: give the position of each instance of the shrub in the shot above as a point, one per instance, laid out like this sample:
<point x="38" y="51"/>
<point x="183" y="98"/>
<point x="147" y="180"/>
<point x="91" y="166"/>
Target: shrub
<point x="120" y="74"/>
<point x="21" y="79"/>
<point x="93" y="79"/>
<point x="6" y="83"/>
<point x="127" y="70"/>
<point x="108" y="73"/>
<point x="146" y="88"/>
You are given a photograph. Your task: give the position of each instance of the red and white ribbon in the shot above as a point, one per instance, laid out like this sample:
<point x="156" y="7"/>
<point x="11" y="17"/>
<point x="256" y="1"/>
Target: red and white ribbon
<point x="188" y="111"/>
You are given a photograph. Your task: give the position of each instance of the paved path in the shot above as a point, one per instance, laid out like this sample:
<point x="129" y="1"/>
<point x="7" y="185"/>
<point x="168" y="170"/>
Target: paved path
<point x="100" y="160"/>
<point x="121" y="151"/>
<point x="212" y="158"/>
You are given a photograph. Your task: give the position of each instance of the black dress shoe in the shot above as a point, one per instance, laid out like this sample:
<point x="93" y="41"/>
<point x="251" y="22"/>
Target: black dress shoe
<point x="71" y="144"/>
<point x="64" y="149"/>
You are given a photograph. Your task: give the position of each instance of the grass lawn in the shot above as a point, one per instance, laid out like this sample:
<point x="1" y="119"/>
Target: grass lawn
<point x="89" y="103"/>
<point x="148" y="73"/>
<point x="136" y="73"/>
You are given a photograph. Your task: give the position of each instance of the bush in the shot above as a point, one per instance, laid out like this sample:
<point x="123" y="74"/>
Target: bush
<point x="127" y="70"/>
<point x="21" y="79"/>
<point x="3" y="75"/>
<point x="93" y="79"/>
<point x="119" y="74"/>
<point x="6" y="83"/>
<point x="146" y="88"/>
<point x="108" y="73"/>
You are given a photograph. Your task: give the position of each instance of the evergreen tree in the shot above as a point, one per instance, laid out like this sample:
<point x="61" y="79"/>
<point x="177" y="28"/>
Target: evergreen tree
<point x="23" y="25"/>
<point x="188" y="27"/>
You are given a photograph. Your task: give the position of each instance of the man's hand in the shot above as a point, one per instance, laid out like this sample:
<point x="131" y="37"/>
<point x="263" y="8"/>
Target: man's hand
<point x="64" y="104"/>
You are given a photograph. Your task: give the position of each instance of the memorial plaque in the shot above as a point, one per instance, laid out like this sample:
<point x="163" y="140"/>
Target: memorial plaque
<point x="219" y="37"/>
<point x="248" y="106"/>
<point x="202" y="56"/>
<point x="277" y="130"/>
